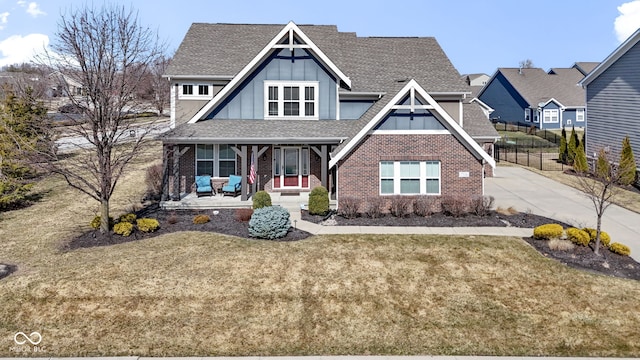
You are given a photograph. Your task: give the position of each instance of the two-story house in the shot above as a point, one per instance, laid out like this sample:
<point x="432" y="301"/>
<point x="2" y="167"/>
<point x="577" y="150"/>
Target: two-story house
<point x="308" y="105"/>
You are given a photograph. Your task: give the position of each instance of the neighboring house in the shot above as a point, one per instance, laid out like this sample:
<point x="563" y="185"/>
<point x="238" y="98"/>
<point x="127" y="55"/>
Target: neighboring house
<point x="585" y="67"/>
<point x="63" y="85"/>
<point x="613" y="100"/>
<point x="308" y="105"/>
<point x="476" y="82"/>
<point x="532" y="96"/>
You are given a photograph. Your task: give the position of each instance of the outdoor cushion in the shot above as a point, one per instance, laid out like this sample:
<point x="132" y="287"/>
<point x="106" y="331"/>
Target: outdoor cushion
<point x="234" y="184"/>
<point x="203" y="184"/>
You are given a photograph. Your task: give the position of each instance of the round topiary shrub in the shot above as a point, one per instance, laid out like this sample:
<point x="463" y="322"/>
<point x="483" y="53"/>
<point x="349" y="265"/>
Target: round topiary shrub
<point x="95" y="223"/>
<point x="319" y="201"/>
<point x="130" y="218"/>
<point x="123" y="228"/>
<point x="201" y="219"/>
<point x="261" y="199"/>
<point x="605" y="239"/>
<point x="547" y="231"/>
<point x="147" y="224"/>
<point x="578" y="236"/>
<point x="620" y="249"/>
<point x="271" y="222"/>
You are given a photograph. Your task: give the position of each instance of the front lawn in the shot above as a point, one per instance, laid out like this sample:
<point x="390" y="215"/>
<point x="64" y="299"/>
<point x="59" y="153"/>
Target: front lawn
<point x="204" y="294"/>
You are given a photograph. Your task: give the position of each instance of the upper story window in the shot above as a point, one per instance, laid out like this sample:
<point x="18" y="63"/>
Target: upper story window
<point x="527" y="115"/>
<point x="580" y="115"/>
<point x="550" y="116"/>
<point x="291" y="100"/>
<point x="195" y="92"/>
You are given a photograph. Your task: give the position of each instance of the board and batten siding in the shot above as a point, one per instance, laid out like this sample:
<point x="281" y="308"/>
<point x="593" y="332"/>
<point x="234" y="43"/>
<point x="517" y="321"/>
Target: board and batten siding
<point x="248" y="101"/>
<point x="613" y="106"/>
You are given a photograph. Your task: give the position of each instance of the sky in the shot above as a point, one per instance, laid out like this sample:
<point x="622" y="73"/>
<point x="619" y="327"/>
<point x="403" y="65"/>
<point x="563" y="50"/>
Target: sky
<point x="478" y="36"/>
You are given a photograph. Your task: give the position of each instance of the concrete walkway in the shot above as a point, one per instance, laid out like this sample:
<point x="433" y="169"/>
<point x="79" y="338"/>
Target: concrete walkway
<point x="343" y="357"/>
<point x="529" y="191"/>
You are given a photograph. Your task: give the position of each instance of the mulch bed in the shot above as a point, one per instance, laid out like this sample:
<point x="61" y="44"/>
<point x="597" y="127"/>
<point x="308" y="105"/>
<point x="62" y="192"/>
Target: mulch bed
<point x="225" y="222"/>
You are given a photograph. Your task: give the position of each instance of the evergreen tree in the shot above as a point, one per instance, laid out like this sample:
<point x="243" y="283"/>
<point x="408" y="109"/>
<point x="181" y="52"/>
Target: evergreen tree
<point x="580" y="161"/>
<point x="583" y="142"/>
<point x="562" y="152"/>
<point x="573" y="144"/>
<point x="22" y="136"/>
<point x="627" y="164"/>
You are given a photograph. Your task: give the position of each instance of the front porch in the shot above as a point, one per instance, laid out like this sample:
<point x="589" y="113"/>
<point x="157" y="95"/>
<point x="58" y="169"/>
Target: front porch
<point x="292" y="201"/>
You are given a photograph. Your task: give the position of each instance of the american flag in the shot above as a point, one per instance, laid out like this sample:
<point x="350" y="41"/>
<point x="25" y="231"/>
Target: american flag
<point x="252" y="171"/>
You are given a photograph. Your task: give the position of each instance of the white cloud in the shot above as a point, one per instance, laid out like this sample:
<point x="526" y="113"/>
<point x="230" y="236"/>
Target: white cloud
<point x="34" y="10"/>
<point x="628" y="21"/>
<point x="18" y="49"/>
<point x="22" y="2"/>
<point x="4" y="18"/>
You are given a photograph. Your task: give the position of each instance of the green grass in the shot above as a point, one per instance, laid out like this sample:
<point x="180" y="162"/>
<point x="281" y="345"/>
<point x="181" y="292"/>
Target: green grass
<point x="204" y="294"/>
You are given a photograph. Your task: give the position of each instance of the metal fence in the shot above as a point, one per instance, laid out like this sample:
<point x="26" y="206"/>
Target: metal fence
<point x="529" y="157"/>
<point x="527" y="129"/>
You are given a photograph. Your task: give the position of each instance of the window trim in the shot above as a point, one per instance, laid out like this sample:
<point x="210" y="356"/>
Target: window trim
<point x="582" y="112"/>
<point x="302" y="101"/>
<point x="216" y="160"/>
<point x="397" y="177"/>
<point x="550" y="111"/>
<point x="195" y="91"/>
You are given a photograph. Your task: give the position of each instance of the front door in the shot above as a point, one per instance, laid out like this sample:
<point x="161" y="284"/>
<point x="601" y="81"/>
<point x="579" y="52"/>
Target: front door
<point x="290" y="168"/>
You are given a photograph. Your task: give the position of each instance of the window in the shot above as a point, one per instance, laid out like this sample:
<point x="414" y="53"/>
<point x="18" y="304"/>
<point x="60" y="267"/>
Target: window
<point x="195" y="92"/>
<point x="550" y="116"/>
<point x="410" y="177"/>
<point x="215" y="160"/>
<point x="203" y="90"/>
<point x="580" y="115"/>
<point x="187" y="89"/>
<point x="286" y="100"/>
<point x="527" y="115"/>
<point x="535" y="116"/>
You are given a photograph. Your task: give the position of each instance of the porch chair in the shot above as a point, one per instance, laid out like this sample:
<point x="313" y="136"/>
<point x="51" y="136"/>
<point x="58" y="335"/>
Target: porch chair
<point x="233" y="186"/>
<point x="203" y="185"/>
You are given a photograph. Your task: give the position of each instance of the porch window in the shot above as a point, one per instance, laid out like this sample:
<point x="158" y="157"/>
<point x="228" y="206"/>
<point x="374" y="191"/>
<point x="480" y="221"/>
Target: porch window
<point x="550" y="116"/>
<point x="215" y="160"/>
<point x="580" y="115"/>
<point x="287" y="100"/>
<point x="410" y="177"/>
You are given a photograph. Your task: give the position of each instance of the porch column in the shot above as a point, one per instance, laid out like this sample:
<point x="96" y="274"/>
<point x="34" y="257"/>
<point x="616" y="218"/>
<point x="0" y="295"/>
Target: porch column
<point x="243" y="173"/>
<point x="324" y="167"/>
<point x="165" y="172"/>
<point x="254" y="156"/>
<point x="176" y="171"/>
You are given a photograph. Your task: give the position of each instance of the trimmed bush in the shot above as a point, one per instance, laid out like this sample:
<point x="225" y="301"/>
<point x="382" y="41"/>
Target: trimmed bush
<point x="95" y="223"/>
<point x="244" y="215"/>
<point x="400" y="206"/>
<point x="261" y="199"/>
<point x="319" y="201"/>
<point x="349" y="207"/>
<point x="605" y="239"/>
<point x="424" y="206"/>
<point x="620" y="249"/>
<point x="375" y="207"/>
<point x="578" y="236"/>
<point x="147" y="225"/>
<point x="455" y="206"/>
<point x="201" y="219"/>
<point x="547" y="232"/>
<point x="271" y="222"/>
<point x="481" y="205"/>
<point x="130" y="218"/>
<point x="123" y="228"/>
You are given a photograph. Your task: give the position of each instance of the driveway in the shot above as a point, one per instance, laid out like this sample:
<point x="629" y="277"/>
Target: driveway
<point x="528" y="191"/>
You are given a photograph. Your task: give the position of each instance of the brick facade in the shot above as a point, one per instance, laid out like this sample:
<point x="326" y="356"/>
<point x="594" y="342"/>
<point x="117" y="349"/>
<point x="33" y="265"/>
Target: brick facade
<point x="358" y="173"/>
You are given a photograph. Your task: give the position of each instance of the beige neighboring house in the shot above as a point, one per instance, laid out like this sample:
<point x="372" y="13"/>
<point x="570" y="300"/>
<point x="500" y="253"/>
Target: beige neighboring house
<point x="63" y="85"/>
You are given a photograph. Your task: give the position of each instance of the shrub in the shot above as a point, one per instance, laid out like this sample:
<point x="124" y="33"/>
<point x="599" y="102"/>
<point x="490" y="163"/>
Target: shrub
<point x="578" y="236"/>
<point x="153" y="180"/>
<point x="271" y="222"/>
<point x="481" y="205"/>
<point x="400" y="206"/>
<point x="244" y="215"/>
<point x="147" y="224"/>
<point x="455" y="206"/>
<point x="562" y="245"/>
<point x="627" y="164"/>
<point x="123" y="228"/>
<point x="95" y="223"/>
<point x="605" y="239"/>
<point x="375" y="207"/>
<point x="620" y="249"/>
<point x="319" y="201"/>
<point x="547" y="231"/>
<point x="201" y="219"/>
<point x="508" y="211"/>
<point x="349" y="207"/>
<point x="261" y="199"/>
<point x="173" y="218"/>
<point x="424" y="205"/>
<point x="130" y="218"/>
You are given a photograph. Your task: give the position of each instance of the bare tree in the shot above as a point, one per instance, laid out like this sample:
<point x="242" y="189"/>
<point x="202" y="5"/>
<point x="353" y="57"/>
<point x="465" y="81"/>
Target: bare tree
<point x="599" y="185"/>
<point x="105" y="51"/>
<point x="161" y="86"/>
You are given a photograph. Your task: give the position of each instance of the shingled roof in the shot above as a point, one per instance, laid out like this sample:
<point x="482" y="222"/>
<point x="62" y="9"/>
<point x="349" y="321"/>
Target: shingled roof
<point x="537" y="86"/>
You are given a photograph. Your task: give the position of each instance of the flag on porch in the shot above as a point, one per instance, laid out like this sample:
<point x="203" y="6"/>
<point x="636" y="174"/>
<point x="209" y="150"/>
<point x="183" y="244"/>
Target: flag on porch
<point x="252" y="171"/>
